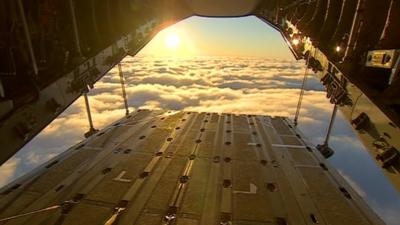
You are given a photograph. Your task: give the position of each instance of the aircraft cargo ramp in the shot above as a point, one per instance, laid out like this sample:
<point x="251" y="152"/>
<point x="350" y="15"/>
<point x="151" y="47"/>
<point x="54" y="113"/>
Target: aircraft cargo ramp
<point x="187" y="168"/>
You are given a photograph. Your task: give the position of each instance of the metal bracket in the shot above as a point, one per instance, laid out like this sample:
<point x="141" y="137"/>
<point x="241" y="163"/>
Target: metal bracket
<point x="382" y="58"/>
<point x="335" y="87"/>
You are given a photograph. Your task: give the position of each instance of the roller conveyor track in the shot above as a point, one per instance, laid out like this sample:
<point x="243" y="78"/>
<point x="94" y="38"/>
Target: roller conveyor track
<point x="188" y="168"/>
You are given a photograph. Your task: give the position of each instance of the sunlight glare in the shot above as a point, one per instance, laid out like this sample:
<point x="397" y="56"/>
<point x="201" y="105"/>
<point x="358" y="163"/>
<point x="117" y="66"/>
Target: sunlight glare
<point x="172" y="41"/>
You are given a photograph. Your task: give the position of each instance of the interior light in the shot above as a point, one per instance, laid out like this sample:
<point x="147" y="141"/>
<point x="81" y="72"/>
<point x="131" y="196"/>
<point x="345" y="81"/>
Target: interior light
<point x="338" y="49"/>
<point x="295" y="41"/>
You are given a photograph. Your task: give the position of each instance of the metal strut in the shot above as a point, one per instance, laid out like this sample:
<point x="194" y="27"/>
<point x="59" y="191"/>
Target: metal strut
<point x="296" y="117"/>
<point x="75" y="26"/>
<point x="333" y="117"/>
<point x="324" y="148"/>
<point x="92" y="130"/>
<point x="64" y="205"/>
<point x="122" y="80"/>
<point x="28" y="37"/>
<point x="117" y="211"/>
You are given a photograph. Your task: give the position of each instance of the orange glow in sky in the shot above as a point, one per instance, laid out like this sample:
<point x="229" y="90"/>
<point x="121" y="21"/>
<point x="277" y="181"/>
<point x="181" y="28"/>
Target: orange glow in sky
<point x="172" y="42"/>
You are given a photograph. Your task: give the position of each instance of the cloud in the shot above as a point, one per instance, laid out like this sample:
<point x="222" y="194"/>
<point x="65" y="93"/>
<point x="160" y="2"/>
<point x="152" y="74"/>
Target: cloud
<point x="390" y="214"/>
<point x="8" y="170"/>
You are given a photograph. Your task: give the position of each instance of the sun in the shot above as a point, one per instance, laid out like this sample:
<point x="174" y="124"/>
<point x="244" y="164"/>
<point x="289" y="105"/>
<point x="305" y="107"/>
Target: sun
<point x="172" y="41"/>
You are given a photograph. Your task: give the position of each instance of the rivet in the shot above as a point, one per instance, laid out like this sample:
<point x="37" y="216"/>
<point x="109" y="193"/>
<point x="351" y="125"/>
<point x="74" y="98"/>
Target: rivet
<point x="323" y="166"/>
<point x="144" y="174"/>
<point x="226" y="219"/>
<point x="272" y="187"/>
<point x="345" y="192"/>
<point x="313" y="218"/>
<point x="226" y="183"/>
<point x="183" y="179"/>
<point x="106" y="170"/>
<point x="118" y="150"/>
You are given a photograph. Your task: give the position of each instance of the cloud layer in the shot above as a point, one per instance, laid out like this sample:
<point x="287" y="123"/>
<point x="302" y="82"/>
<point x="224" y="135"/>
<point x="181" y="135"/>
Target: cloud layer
<point x="236" y="85"/>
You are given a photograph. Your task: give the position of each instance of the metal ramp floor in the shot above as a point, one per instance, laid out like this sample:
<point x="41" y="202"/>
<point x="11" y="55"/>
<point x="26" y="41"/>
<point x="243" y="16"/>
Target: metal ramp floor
<point x="188" y="168"/>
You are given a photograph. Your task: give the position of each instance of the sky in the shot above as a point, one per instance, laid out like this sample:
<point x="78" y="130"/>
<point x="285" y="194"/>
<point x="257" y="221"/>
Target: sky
<point x="199" y="36"/>
<point x="220" y="65"/>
